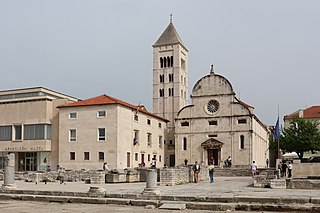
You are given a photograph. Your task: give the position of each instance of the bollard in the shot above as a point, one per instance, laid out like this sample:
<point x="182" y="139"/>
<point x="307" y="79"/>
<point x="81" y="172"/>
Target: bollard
<point x="151" y="183"/>
<point x="8" y="181"/>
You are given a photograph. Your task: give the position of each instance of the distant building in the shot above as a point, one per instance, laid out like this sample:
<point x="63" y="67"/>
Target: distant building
<point x="106" y="129"/>
<point x="310" y="113"/>
<point x="217" y="125"/>
<point x="29" y="127"/>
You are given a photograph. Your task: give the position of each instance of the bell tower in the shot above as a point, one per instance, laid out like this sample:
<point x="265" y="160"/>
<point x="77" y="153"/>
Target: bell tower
<point x="170" y="82"/>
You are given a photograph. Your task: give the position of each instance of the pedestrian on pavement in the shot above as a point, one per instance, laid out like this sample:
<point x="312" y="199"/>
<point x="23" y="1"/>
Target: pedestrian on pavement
<point x="153" y="163"/>
<point x="196" y="171"/>
<point x="289" y="170"/>
<point x="267" y="162"/>
<point x="211" y="172"/>
<point x="229" y="161"/>
<point x="105" y="167"/>
<point x="253" y="168"/>
<point x="283" y="169"/>
<point x="185" y="162"/>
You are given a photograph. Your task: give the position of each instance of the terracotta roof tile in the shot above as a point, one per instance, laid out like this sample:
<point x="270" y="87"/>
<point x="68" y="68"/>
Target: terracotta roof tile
<point x="108" y="100"/>
<point x="247" y="105"/>
<point x="312" y="112"/>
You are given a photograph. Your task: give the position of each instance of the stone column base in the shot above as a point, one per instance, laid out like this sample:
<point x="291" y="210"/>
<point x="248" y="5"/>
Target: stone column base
<point x="8" y="186"/>
<point x="151" y="191"/>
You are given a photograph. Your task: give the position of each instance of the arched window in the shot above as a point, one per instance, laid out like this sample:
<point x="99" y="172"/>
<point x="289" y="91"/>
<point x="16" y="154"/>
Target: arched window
<point x="184" y="143"/>
<point x="165" y="62"/>
<point x="241" y="141"/>
<point x="171" y="61"/>
<point x="168" y="60"/>
<point x="161" y="62"/>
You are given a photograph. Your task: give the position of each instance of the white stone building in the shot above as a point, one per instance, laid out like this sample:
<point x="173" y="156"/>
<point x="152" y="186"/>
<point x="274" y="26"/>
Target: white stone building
<point x="105" y="129"/>
<point x="217" y="125"/>
<point x="29" y="127"/>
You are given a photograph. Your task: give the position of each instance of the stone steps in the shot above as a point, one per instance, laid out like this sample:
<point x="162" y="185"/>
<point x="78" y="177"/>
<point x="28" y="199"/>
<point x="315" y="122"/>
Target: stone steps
<point x="218" y="203"/>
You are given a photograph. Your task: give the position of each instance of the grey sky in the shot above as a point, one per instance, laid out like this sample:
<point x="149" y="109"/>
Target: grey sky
<point x="268" y="50"/>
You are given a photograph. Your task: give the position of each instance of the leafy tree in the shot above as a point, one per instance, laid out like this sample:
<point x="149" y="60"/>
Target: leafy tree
<point x="301" y="136"/>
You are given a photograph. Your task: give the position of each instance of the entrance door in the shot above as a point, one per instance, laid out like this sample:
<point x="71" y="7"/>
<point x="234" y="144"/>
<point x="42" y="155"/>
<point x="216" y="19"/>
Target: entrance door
<point x="29" y="165"/>
<point x="213" y="154"/>
<point x="128" y="159"/>
<point x="172" y="160"/>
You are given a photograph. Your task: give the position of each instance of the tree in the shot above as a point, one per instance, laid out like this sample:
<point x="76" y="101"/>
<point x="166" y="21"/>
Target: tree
<point x="301" y="136"/>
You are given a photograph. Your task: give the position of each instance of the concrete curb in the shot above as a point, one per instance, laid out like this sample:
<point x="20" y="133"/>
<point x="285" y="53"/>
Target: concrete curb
<point x="218" y="203"/>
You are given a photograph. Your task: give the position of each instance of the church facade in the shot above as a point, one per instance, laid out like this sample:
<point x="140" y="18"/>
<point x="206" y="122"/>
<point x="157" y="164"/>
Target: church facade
<point x="216" y="125"/>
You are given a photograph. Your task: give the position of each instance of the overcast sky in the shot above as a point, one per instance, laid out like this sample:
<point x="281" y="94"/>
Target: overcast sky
<point x="268" y="50"/>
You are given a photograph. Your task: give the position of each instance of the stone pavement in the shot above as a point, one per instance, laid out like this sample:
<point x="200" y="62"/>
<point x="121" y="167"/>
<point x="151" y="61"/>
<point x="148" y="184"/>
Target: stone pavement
<point x="229" y="192"/>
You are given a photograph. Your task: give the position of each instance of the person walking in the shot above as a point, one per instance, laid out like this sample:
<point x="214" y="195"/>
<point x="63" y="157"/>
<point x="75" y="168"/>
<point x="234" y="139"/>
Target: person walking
<point x="211" y="172"/>
<point x="253" y="168"/>
<point x="289" y="170"/>
<point x="196" y="171"/>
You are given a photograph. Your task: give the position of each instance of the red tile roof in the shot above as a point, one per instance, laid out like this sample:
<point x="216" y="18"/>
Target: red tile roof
<point x="108" y="100"/>
<point x="247" y="105"/>
<point x="311" y="112"/>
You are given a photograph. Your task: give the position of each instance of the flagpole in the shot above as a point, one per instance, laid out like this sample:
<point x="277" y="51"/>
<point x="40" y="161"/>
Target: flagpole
<point x="278" y="137"/>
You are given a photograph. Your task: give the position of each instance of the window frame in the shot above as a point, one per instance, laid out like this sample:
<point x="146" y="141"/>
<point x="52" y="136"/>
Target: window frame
<point x="72" y="156"/>
<point x="72" y="113"/>
<point x="101" y="116"/>
<point x="102" y="137"/>
<point x="71" y="138"/>
<point x="86" y="155"/>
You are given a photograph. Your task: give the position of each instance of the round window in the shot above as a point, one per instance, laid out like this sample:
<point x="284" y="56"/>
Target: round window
<point x="212" y="106"/>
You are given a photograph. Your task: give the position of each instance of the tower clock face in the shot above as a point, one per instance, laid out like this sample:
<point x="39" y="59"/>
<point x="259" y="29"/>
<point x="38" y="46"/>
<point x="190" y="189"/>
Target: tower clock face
<point x="212" y="106"/>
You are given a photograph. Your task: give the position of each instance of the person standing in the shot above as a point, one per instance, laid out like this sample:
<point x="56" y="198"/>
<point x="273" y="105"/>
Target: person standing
<point x="267" y="162"/>
<point x="289" y="170"/>
<point x="105" y="167"/>
<point x="211" y="172"/>
<point x="153" y="163"/>
<point x="196" y="171"/>
<point x="283" y="169"/>
<point x="185" y="162"/>
<point x="229" y="161"/>
<point x="253" y="168"/>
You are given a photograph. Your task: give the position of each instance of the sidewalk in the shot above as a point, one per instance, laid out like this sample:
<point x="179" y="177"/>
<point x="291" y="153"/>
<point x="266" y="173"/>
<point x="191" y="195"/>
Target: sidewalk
<point x="225" y="193"/>
<point x="223" y="186"/>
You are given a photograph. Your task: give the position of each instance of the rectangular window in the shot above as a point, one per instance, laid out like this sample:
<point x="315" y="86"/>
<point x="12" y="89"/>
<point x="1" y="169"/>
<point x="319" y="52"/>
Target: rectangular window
<point x="72" y="156"/>
<point x="86" y="156"/>
<point x="17" y="132"/>
<point x="149" y="139"/>
<point x="72" y="135"/>
<point x="149" y="157"/>
<point x="160" y="141"/>
<point x="136" y="137"/>
<point x="5" y="133"/>
<point x="242" y="121"/>
<point x="101" y="114"/>
<point x="101" y="156"/>
<point x="148" y="121"/>
<point x="101" y="134"/>
<point x="159" y="125"/>
<point x="136" y="156"/>
<point x="213" y="136"/>
<point x="136" y="117"/>
<point x="185" y="123"/>
<point x="213" y="123"/>
<point x="36" y="131"/>
<point x="72" y="115"/>
<point x="159" y="158"/>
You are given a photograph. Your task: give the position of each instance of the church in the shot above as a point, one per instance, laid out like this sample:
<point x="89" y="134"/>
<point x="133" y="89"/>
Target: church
<point x="215" y="125"/>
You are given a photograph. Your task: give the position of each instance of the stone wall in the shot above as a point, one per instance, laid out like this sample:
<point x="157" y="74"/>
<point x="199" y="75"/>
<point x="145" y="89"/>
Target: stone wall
<point x="303" y="170"/>
<point x="180" y="175"/>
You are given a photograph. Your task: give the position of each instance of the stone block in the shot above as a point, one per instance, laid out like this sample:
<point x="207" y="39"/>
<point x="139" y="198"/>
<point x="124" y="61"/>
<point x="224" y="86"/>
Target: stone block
<point x="173" y="206"/>
<point x="115" y="178"/>
<point x="278" y="184"/>
<point x="144" y="202"/>
<point x="117" y="201"/>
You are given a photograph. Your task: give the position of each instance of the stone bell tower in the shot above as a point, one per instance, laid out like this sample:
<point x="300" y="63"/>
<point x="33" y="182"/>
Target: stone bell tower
<point x="170" y="83"/>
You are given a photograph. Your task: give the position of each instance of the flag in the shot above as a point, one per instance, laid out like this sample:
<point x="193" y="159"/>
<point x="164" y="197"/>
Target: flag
<point x="276" y="130"/>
